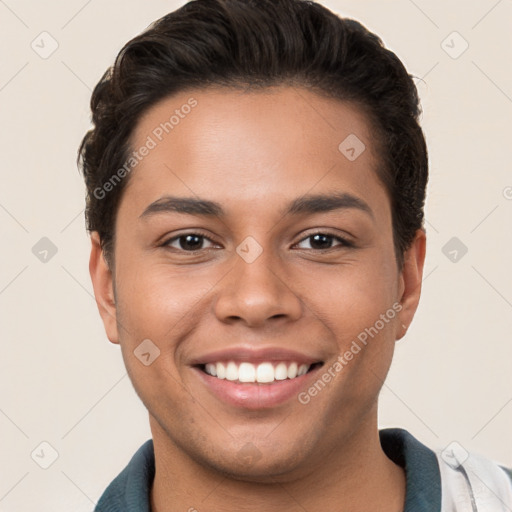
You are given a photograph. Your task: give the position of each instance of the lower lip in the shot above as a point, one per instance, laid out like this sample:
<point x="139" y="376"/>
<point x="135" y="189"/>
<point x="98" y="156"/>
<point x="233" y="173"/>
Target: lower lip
<point x="253" y="395"/>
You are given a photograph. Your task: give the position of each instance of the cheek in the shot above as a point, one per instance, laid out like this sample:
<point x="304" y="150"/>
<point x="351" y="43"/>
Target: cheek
<point x="359" y="313"/>
<point x="163" y="306"/>
<point x="153" y="313"/>
<point x="352" y="297"/>
<point x="358" y="305"/>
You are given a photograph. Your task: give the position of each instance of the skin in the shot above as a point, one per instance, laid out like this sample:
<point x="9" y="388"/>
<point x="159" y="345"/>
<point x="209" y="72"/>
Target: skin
<point x="254" y="153"/>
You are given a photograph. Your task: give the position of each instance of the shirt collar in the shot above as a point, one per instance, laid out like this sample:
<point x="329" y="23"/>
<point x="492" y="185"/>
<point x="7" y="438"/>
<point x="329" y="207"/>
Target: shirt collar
<point x="130" y="490"/>
<point x="423" y="487"/>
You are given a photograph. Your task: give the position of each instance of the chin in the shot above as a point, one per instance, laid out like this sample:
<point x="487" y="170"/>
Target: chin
<point x="262" y="471"/>
<point x="250" y="464"/>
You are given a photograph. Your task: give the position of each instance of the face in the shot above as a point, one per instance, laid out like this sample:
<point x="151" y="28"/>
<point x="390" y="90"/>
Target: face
<point x="255" y="258"/>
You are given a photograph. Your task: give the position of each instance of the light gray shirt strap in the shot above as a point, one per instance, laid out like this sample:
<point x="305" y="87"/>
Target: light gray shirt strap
<point x="472" y="483"/>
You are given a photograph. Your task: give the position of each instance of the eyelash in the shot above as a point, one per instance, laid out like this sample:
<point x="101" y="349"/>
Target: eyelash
<point x="344" y="243"/>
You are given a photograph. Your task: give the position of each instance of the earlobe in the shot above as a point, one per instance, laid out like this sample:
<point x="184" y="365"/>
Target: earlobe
<point x="410" y="281"/>
<point x="102" y="282"/>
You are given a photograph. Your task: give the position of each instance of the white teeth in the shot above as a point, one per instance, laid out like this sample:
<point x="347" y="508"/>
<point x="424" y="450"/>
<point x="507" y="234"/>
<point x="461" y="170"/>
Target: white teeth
<point x="231" y="371"/>
<point x="263" y="372"/>
<point x="246" y="372"/>
<point x="280" y="371"/>
<point x="211" y="369"/>
<point x="292" y="371"/>
<point x="221" y="371"/>
<point x="303" y="368"/>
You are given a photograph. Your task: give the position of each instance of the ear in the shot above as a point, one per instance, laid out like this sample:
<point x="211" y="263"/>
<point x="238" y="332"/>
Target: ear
<point x="102" y="283"/>
<point x="410" y="281"/>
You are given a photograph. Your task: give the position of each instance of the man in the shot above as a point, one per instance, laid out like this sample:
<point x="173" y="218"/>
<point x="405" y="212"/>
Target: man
<point x="256" y="178"/>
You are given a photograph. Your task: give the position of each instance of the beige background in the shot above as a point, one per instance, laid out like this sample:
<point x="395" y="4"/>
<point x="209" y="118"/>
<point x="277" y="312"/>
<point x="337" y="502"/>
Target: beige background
<point x="63" y="383"/>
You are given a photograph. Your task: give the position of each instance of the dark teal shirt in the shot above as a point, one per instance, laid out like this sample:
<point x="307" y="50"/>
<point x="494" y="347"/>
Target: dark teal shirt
<point x="129" y="492"/>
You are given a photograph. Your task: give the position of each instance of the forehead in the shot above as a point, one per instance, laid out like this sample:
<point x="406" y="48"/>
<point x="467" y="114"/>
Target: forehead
<point x="243" y="147"/>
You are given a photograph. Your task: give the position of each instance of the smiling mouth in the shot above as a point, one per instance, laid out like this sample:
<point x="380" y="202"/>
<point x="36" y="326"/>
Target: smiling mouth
<point x="265" y="372"/>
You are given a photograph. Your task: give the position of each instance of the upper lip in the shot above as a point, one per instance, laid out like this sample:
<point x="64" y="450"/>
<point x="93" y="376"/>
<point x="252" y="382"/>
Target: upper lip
<point x="255" y="355"/>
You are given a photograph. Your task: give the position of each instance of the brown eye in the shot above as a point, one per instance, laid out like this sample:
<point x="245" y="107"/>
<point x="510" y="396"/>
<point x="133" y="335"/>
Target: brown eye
<point x="188" y="242"/>
<point x="323" y="241"/>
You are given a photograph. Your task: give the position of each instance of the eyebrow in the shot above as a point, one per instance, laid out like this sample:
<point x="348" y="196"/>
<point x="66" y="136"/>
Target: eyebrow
<point x="308" y="204"/>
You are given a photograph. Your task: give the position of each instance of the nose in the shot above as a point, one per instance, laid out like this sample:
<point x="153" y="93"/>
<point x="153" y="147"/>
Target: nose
<point x="257" y="293"/>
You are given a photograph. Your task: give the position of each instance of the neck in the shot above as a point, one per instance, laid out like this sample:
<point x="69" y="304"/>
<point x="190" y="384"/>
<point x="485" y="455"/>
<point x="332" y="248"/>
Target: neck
<point x="356" y="477"/>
